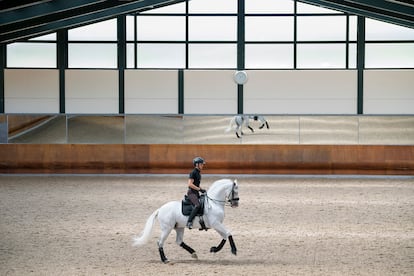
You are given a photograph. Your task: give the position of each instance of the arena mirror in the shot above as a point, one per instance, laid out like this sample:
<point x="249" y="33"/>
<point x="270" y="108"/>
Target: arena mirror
<point x="259" y="129"/>
<point x="210" y="129"/>
<point x="3" y="129"/>
<point x="96" y="129"/>
<point x="154" y="129"/>
<point x="36" y="129"/>
<point x="203" y="129"/>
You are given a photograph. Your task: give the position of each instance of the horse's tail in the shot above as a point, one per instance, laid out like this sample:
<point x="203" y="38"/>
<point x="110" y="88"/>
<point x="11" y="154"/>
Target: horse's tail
<point x="232" y="122"/>
<point x="146" y="233"/>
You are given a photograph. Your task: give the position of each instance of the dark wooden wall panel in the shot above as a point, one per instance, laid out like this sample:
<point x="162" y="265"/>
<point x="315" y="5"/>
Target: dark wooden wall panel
<point x="224" y="159"/>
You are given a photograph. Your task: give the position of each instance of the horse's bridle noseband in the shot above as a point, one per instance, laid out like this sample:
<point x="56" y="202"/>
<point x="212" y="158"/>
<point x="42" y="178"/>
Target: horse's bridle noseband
<point x="232" y="199"/>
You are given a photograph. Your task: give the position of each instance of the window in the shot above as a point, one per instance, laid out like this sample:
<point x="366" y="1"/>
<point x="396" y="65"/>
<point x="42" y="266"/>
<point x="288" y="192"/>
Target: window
<point x="212" y="6"/>
<point x="160" y="28"/>
<point x="102" y="31"/>
<point x="269" y="6"/>
<point x="322" y="28"/>
<point x="377" y="30"/>
<point x="207" y="37"/>
<point x="389" y="55"/>
<point x="269" y="29"/>
<point x="352" y="58"/>
<point x="209" y="28"/>
<point x="268" y="56"/>
<point x="93" y="46"/>
<point x="212" y="56"/>
<point x="161" y="55"/>
<point x="130" y="28"/>
<point x="130" y="55"/>
<point x="321" y="56"/>
<point x="92" y="55"/>
<point x="388" y="45"/>
<point x="27" y="55"/>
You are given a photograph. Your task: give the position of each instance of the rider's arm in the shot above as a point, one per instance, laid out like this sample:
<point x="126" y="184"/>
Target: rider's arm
<point x="192" y="186"/>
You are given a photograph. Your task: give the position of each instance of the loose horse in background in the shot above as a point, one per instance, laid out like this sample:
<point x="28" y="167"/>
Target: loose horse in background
<point x="170" y="216"/>
<point x="238" y="121"/>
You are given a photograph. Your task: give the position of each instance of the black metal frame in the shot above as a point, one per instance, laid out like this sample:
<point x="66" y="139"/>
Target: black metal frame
<point x="23" y="22"/>
<point x="2" y="66"/>
<point x="401" y="12"/>
<point x="360" y="64"/>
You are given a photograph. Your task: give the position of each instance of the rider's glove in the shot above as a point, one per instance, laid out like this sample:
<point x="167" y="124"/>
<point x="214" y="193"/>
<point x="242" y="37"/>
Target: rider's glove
<point x="202" y="191"/>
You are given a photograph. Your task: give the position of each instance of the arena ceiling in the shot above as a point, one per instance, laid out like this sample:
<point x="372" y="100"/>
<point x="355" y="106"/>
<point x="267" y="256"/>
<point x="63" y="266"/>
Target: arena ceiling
<point x="23" y="19"/>
<point x="400" y="12"/>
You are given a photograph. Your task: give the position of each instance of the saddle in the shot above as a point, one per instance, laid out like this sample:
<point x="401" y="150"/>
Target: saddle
<point x="187" y="207"/>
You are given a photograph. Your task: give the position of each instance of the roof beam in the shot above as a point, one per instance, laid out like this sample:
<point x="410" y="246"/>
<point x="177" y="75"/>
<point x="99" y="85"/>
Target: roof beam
<point x="6" y="5"/>
<point x="379" y="9"/>
<point x="42" y="9"/>
<point x="73" y="18"/>
<point x="386" y="6"/>
<point x="28" y="18"/>
<point x="56" y="15"/>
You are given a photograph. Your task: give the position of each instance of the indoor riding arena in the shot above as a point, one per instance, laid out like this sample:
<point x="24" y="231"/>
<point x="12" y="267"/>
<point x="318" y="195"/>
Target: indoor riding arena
<point x="303" y="111"/>
<point x="303" y="210"/>
<point x="284" y="225"/>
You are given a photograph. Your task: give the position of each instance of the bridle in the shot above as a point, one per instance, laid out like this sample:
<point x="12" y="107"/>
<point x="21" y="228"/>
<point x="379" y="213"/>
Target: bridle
<point x="233" y="200"/>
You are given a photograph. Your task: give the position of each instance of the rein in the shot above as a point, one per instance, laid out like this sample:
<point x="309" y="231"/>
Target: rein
<point x="216" y="200"/>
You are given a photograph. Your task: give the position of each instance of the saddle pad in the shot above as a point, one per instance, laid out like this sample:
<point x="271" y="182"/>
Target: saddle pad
<point x="186" y="208"/>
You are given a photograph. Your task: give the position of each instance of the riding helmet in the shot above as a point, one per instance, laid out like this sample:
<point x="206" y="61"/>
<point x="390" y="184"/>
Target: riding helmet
<point x="198" y="160"/>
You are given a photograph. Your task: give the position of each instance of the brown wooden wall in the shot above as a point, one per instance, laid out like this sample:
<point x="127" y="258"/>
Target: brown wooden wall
<point x="221" y="159"/>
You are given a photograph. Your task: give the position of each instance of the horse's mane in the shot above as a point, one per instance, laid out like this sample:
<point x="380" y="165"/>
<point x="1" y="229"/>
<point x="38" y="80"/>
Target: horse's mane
<point x="218" y="183"/>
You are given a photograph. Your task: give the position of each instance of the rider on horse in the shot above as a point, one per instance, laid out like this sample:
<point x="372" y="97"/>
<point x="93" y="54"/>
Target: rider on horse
<point x="194" y="188"/>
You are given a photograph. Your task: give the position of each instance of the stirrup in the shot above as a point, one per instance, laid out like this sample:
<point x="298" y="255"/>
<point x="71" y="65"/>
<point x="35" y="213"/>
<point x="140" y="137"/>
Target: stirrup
<point x="190" y="225"/>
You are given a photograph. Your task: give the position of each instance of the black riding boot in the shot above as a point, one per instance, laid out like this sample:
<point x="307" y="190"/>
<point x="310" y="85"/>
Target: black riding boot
<point x="191" y="217"/>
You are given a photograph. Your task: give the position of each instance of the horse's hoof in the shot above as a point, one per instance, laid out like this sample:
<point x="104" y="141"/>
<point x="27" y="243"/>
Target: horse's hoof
<point x="194" y="256"/>
<point x="166" y="261"/>
<point x="213" y="249"/>
<point x="234" y="252"/>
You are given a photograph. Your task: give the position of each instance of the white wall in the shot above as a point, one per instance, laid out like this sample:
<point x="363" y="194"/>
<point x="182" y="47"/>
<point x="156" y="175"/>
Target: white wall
<point x="301" y="92"/>
<point x="92" y="91"/>
<point x="31" y="90"/>
<point x="210" y="92"/>
<point x="151" y="92"/>
<point x="389" y="92"/>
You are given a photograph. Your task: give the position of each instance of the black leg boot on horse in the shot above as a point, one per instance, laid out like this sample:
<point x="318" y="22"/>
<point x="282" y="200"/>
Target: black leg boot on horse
<point x="194" y="212"/>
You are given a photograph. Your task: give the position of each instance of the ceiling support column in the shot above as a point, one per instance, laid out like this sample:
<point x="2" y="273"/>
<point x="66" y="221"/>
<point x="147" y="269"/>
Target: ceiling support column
<point x="360" y="63"/>
<point x="62" y="65"/>
<point x="121" y="23"/>
<point x="240" y="52"/>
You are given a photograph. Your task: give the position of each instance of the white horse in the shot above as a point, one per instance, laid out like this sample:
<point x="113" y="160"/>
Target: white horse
<point x="238" y="121"/>
<point x="170" y="217"/>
